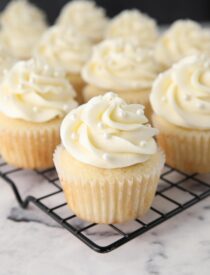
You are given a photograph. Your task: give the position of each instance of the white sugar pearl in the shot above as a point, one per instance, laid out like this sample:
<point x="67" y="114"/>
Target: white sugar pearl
<point x="122" y="113"/>
<point x="142" y="143"/>
<point x="20" y="86"/>
<point x="35" y="109"/>
<point x="110" y="95"/>
<point x="100" y="125"/>
<point x="140" y="112"/>
<point x="187" y="97"/>
<point x="107" y="136"/>
<point x="56" y="74"/>
<point x="65" y="107"/>
<point x="74" y="136"/>
<point x="46" y="68"/>
<point x="106" y="156"/>
<point x="163" y="99"/>
<point x="201" y="106"/>
<point x="73" y="116"/>
<point x="207" y="65"/>
<point x="5" y="72"/>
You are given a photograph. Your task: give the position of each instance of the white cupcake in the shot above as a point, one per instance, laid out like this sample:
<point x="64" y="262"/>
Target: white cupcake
<point x="22" y="25"/>
<point x="181" y="102"/>
<point x="183" y="38"/>
<point x="87" y="18"/>
<point x="66" y="48"/>
<point x="109" y="164"/>
<point x="34" y="98"/>
<point x="121" y="66"/>
<point x="133" y="24"/>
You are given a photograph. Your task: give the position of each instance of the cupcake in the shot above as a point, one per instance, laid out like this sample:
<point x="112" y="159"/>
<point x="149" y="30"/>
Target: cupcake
<point x="123" y="67"/>
<point x="181" y="102"/>
<point x="114" y="147"/>
<point x="183" y="38"/>
<point x="22" y="25"/>
<point x="85" y="17"/>
<point x="66" y="48"/>
<point x="34" y="98"/>
<point x="133" y="23"/>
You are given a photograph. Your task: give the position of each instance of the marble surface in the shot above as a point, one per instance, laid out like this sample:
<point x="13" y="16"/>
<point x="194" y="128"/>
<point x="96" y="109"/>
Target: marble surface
<point x="32" y="244"/>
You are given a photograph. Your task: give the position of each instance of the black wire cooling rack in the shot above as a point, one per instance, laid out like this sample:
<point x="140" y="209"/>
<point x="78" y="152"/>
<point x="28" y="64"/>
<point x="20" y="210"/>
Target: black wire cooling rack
<point x="177" y="191"/>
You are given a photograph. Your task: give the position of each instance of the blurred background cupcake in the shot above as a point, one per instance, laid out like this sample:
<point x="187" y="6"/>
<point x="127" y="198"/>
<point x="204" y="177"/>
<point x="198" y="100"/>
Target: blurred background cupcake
<point x="122" y="66"/>
<point x="183" y="38"/>
<point x="181" y="101"/>
<point x="85" y="17"/>
<point x="133" y="24"/>
<point x="66" y="48"/>
<point x="34" y="98"/>
<point x="22" y="25"/>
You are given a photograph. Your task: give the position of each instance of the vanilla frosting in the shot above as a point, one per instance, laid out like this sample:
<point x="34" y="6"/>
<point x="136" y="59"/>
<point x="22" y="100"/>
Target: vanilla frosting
<point x="183" y="38"/>
<point x="181" y="95"/>
<point x="64" y="47"/>
<point x="108" y="133"/>
<point x="22" y="25"/>
<point x="117" y="64"/>
<point x="6" y="62"/>
<point x="133" y="23"/>
<point x="35" y="92"/>
<point x="87" y="18"/>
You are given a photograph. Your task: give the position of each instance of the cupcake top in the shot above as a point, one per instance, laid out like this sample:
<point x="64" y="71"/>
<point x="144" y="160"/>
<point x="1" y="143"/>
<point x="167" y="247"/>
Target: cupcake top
<point x="6" y="62"/>
<point x="108" y="133"/>
<point x="35" y="92"/>
<point x="64" y="47"/>
<point x="22" y="25"/>
<point x="87" y="18"/>
<point x="117" y="64"/>
<point x="133" y="23"/>
<point x="183" y="38"/>
<point x="181" y="95"/>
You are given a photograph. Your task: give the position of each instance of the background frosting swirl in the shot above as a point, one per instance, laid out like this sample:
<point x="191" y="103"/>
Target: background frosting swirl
<point x="133" y="23"/>
<point x="119" y="64"/>
<point x="6" y="62"/>
<point x="181" y="95"/>
<point x="64" y="47"/>
<point x="35" y="92"/>
<point x="108" y="133"/>
<point x="87" y="18"/>
<point x="22" y="25"/>
<point x="183" y="38"/>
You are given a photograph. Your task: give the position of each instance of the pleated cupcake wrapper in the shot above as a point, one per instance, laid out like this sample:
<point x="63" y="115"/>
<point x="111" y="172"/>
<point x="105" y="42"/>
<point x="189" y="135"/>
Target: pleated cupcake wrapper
<point x="77" y="82"/>
<point x="186" y="150"/>
<point x="141" y="97"/>
<point x="113" y="201"/>
<point x="29" y="148"/>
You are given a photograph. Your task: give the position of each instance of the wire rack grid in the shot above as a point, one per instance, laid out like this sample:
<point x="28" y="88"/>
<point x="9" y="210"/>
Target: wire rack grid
<point x="176" y="192"/>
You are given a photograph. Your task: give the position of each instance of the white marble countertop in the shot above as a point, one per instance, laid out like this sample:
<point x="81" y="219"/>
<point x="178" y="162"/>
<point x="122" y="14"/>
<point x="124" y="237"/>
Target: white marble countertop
<point x="31" y="244"/>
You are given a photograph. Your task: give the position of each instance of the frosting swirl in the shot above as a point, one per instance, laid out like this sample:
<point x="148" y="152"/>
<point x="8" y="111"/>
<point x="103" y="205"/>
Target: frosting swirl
<point x="108" y="133"/>
<point x="119" y="64"/>
<point x="133" y="23"/>
<point x="184" y="37"/>
<point x="181" y="95"/>
<point x="87" y="18"/>
<point x="35" y="92"/>
<point x="64" y="47"/>
<point x="22" y="26"/>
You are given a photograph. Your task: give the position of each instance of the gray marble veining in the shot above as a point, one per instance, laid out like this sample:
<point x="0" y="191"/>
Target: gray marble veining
<point x="32" y="244"/>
